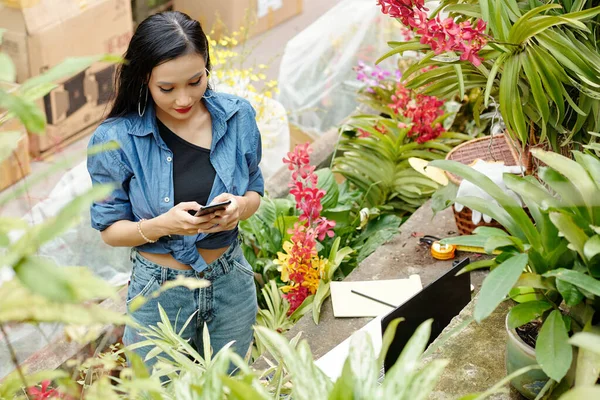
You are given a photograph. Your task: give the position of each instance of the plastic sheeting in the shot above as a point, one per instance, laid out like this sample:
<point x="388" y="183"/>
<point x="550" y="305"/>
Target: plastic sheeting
<point x="272" y="123"/>
<point x="316" y="77"/>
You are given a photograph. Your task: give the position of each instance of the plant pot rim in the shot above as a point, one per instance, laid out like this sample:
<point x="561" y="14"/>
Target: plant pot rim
<point x="514" y="336"/>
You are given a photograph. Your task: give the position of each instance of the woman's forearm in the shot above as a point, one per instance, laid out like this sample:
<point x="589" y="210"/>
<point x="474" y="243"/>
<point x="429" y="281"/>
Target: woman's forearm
<point x="249" y="203"/>
<point x="126" y="234"/>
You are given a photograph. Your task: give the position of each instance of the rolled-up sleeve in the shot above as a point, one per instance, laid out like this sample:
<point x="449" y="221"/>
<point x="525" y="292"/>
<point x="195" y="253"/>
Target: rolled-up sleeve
<point x="256" y="181"/>
<point x="107" y="167"/>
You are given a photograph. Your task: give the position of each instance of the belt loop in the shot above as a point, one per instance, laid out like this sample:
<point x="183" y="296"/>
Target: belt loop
<point x="164" y="274"/>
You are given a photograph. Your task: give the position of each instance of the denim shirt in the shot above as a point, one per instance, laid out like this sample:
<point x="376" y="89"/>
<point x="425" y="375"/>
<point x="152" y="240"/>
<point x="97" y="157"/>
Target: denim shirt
<point x="142" y="169"/>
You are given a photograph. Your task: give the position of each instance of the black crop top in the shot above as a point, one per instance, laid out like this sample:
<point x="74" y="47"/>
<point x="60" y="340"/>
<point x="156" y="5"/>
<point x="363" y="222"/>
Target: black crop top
<point x="193" y="177"/>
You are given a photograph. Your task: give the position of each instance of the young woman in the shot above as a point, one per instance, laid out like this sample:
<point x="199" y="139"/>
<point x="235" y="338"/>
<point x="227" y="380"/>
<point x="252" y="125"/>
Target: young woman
<point x="182" y="146"/>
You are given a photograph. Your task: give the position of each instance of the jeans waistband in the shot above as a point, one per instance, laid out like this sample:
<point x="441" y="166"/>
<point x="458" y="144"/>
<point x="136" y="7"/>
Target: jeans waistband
<point x="219" y="267"/>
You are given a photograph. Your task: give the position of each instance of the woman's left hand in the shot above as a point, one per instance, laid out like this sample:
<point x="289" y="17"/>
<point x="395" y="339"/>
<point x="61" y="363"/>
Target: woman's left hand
<point x="224" y="220"/>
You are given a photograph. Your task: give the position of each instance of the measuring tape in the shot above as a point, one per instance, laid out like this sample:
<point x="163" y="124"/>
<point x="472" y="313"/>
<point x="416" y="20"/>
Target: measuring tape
<point x="447" y="251"/>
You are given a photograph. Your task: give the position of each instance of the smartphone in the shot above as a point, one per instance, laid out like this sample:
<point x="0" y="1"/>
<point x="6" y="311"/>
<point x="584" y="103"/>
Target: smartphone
<point x="204" y="210"/>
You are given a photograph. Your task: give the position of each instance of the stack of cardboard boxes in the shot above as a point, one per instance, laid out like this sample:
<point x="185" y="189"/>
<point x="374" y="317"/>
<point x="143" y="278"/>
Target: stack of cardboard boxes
<point x="40" y="34"/>
<point x="227" y="16"/>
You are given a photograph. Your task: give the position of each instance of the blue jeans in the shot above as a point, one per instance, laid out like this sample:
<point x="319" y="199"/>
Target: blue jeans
<point x="228" y="305"/>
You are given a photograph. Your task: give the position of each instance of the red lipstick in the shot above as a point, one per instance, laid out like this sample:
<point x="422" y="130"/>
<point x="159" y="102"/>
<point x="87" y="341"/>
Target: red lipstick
<point x="183" y="110"/>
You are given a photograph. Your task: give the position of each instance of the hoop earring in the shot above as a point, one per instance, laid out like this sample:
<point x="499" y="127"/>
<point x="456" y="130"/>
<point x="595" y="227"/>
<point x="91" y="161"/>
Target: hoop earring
<point x="207" y="85"/>
<point x="140" y="111"/>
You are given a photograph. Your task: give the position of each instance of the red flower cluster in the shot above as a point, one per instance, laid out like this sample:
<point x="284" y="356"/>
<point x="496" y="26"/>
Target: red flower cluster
<point x="421" y="110"/>
<point x="44" y="392"/>
<point x="302" y="261"/>
<point x="441" y="35"/>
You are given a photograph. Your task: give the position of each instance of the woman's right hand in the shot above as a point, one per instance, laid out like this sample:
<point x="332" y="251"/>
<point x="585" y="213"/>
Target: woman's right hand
<point x="178" y="221"/>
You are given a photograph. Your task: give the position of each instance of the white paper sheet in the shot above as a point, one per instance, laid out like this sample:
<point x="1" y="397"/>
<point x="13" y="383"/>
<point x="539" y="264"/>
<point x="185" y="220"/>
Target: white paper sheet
<point x="393" y="291"/>
<point x="332" y="363"/>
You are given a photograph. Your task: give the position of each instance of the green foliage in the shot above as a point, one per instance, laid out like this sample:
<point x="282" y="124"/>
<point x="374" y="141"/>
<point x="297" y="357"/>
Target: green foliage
<point x="555" y="255"/>
<point x="541" y="66"/>
<point x="378" y="166"/>
<point x="357" y="234"/>
<point x="41" y="291"/>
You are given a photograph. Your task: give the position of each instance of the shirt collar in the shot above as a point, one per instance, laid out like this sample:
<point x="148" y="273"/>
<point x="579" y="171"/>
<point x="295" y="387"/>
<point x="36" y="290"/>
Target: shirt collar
<point x="221" y="108"/>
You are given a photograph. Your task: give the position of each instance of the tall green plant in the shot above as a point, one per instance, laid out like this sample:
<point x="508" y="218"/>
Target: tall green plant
<point x="557" y="253"/>
<point x="541" y="65"/>
<point x="41" y="291"/>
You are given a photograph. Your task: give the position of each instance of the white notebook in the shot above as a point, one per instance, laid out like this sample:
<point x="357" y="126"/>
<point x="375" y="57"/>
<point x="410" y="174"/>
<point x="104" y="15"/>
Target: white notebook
<point x="393" y="291"/>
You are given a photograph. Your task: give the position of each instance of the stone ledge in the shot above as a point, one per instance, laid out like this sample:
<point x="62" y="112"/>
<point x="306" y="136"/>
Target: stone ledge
<point x="399" y="258"/>
<point x="476" y="354"/>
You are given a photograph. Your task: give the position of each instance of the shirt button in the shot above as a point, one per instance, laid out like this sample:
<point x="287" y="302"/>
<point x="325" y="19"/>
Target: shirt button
<point x="167" y="199"/>
<point x="169" y="159"/>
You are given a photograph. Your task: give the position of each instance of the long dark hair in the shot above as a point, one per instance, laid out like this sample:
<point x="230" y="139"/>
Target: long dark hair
<point x="159" y="38"/>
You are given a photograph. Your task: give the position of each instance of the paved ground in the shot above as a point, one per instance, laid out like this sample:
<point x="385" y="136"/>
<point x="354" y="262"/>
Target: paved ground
<point x="267" y="47"/>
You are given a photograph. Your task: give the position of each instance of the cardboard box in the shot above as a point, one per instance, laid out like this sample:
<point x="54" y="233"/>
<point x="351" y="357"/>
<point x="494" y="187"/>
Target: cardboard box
<point x="257" y="16"/>
<point x="41" y="34"/>
<point x="142" y="9"/>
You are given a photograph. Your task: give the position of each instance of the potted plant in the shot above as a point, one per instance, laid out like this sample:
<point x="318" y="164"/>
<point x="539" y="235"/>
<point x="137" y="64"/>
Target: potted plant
<point x="538" y="62"/>
<point x="557" y="255"/>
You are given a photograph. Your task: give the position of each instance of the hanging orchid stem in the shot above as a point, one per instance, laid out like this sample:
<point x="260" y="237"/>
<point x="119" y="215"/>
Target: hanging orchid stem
<point x="13" y="357"/>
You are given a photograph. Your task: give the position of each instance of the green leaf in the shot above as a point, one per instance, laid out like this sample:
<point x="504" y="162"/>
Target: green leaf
<point x="398" y="378"/>
<point x="585" y="392"/>
<point x="309" y="381"/>
<point x="495" y="242"/>
<point x="323" y="292"/>
<point x="526" y="312"/>
<point x="467" y="240"/>
<point x="8" y="73"/>
<point x="592" y="247"/>
<point x="517" y="33"/>
<point x="497" y="285"/>
<point x="8" y="143"/>
<point x="21" y="305"/>
<point x="461" y="80"/>
<point x="569" y="229"/>
<point x="30" y="115"/>
<point x="413" y="45"/>
<point x="69" y="67"/>
<point x="477" y="265"/>
<point x="569" y="292"/>
<point x="388" y="337"/>
<point x="489" y="231"/>
<point x="44" y="277"/>
<point x="586" y="340"/>
<point x="573" y="171"/>
<point x="362" y="368"/>
<point x="326" y="181"/>
<point x="552" y="349"/>
<point x="243" y="390"/>
<point x="578" y="279"/>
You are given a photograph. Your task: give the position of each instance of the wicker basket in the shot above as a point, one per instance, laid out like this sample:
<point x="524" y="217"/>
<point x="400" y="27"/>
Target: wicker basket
<point x="490" y="148"/>
<point x="466" y="226"/>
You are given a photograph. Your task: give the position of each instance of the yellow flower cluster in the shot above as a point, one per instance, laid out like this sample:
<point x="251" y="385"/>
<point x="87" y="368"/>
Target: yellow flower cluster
<point x="312" y="270"/>
<point x="229" y="68"/>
